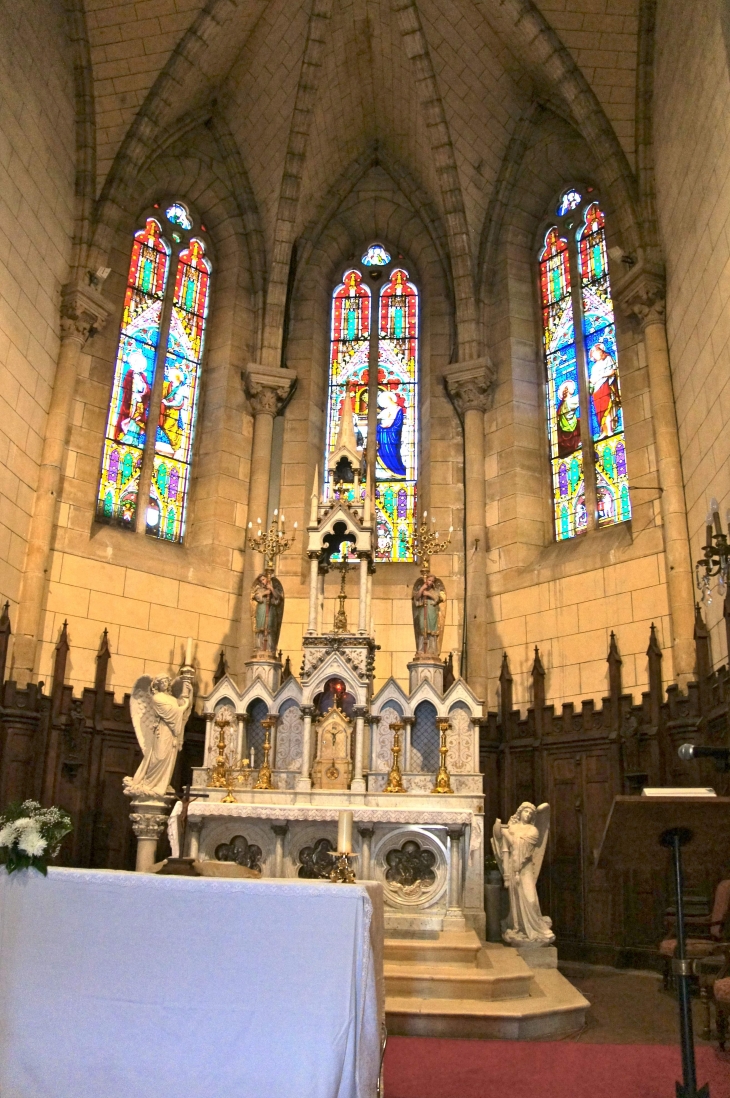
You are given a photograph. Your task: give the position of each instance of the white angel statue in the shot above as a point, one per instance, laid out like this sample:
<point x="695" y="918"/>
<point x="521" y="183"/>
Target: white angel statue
<point x="159" y="710"/>
<point x="519" y="848"/>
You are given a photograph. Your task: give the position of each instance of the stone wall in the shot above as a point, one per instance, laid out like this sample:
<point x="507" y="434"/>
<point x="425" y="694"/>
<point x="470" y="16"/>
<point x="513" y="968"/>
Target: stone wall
<point x="692" y="155"/>
<point x="36" y="223"/>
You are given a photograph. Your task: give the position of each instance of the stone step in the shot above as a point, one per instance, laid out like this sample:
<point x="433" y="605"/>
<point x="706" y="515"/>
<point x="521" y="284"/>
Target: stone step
<point x="456" y="981"/>
<point x="460" y="947"/>
<point x="554" y="1008"/>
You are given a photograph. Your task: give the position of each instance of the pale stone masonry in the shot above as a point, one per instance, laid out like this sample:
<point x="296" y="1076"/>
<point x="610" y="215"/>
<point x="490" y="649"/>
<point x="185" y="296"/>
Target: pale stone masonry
<point x="299" y="131"/>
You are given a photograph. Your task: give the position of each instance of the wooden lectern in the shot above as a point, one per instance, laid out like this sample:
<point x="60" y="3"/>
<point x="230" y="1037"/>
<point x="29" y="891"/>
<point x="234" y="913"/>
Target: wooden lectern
<point x="635" y="827"/>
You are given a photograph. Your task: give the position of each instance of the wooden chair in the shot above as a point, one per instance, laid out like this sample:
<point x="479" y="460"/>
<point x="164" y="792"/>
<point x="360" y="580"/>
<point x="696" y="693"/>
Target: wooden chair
<point x="705" y="930"/>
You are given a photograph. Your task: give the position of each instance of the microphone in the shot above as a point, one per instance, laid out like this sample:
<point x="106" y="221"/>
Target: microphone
<point x="689" y="751"/>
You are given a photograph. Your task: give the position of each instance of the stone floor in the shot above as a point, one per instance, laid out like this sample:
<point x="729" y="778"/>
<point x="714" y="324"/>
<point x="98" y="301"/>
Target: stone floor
<point x="628" y="1007"/>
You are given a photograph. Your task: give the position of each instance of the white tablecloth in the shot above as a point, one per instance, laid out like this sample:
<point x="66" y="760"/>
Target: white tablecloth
<point x="124" y="985"/>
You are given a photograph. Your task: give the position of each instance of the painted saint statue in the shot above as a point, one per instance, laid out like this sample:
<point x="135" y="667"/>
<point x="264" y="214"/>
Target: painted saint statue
<point x="391" y="414"/>
<point x="604" y="390"/>
<point x="267" y="610"/>
<point x="428" y="600"/>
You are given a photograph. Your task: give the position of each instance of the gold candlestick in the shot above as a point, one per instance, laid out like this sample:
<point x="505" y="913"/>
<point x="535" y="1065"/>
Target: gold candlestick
<point x="395" y="778"/>
<point x="341" y="616"/>
<point x="443" y="778"/>
<point x="264" y="779"/>
<point x="426" y="544"/>
<point x="342" y="872"/>
<point x="218" y="778"/>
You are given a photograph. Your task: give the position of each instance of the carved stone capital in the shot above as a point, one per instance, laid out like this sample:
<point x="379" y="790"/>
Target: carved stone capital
<point x="280" y="830"/>
<point x="83" y="312"/>
<point x="641" y="294"/>
<point x="267" y="388"/>
<point x="471" y="384"/>
<point x="146" y="826"/>
<point x="456" y="833"/>
<point x="366" y="832"/>
<point x="360" y="711"/>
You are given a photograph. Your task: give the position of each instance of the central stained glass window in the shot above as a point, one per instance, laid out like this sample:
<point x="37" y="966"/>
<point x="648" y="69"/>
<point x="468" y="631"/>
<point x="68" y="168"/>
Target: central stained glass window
<point x="396" y="465"/>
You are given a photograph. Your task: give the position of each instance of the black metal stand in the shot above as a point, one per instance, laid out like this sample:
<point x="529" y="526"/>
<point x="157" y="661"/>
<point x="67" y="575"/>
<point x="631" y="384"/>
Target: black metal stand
<point x="675" y="838"/>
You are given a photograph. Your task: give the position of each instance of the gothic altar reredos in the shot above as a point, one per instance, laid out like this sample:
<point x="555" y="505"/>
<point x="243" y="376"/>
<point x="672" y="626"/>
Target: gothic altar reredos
<point x="328" y="742"/>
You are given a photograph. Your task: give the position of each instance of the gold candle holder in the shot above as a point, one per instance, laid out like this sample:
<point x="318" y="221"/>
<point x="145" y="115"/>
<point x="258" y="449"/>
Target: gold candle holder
<point x="218" y="777"/>
<point x="342" y="872"/>
<point x="264" y="779"/>
<point x="395" y="778"/>
<point x="229" y="798"/>
<point x="340" y="623"/>
<point x="443" y="778"/>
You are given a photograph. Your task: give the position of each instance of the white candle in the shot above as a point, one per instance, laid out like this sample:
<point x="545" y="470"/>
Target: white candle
<point x="344" y="833"/>
<point x="252" y="757"/>
<point x="189" y="652"/>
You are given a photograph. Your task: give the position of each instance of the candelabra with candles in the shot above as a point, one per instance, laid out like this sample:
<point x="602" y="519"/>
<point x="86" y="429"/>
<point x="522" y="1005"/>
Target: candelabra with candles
<point x="426" y="543"/>
<point x="443" y="778"/>
<point x="716" y="559"/>
<point x="271" y="543"/>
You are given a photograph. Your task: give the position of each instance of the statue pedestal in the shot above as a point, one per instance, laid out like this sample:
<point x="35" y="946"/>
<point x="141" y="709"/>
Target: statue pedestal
<point x="149" y="819"/>
<point x="429" y="670"/>
<point x="267" y="670"/>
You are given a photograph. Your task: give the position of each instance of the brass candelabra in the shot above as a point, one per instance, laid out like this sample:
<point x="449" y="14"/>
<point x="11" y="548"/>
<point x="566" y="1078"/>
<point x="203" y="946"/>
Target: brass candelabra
<point x="218" y="777"/>
<point x="426" y="544"/>
<point x="264" y="779"/>
<point x="271" y="543"/>
<point x="395" y="778"/>
<point x="716" y="559"/>
<point x="443" y="778"/>
<point x="341" y="617"/>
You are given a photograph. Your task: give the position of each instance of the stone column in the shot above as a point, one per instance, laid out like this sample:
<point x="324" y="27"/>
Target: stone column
<point x="313" y="592"/>
<point x="469" y="385"/>
<point x="280" y="831"/>
<point x="83" y="312"/>
<point x="304" y="781"/>
<point x="641" y="294"/>
<point x="454" y="919"/>
<point x="149" y="818"/>
<point x="194" y="830"/>
<point x="366" y="835"/>
<point x="267" y="389"/>
<point x="357" y="785"/>
<point x="362" y="606"/>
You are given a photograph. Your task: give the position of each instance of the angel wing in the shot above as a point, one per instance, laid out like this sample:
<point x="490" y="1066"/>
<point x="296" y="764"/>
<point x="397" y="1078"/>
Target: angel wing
<point x="143" y="713"/>
<point x="542" y="823"/>
<point x="497" y="845"/>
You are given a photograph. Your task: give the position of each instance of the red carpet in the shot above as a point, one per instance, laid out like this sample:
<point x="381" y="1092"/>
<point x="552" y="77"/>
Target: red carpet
<point x="420" y="1067"/>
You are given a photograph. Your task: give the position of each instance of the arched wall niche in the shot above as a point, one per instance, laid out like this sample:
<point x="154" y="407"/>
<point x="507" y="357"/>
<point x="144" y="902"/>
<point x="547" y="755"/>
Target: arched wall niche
<point x="375" y="209"/>
<point x="165" y="588"/>
<point x="565" y="597"/>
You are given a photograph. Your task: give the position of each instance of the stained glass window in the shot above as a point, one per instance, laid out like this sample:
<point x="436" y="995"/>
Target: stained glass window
<point x="174" y="308"/>
<point x="376" y="256"/>
<point x="396" y="463"/>
<point x="126" y="425"/>
<point x="599" y="334"/>
<point x="566" y="455"/>
<point x="582" y="369"/>
<point x="397" y="413"/>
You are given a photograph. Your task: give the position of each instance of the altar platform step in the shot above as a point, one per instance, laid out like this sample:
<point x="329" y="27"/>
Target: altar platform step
<point x="492" y="995"/>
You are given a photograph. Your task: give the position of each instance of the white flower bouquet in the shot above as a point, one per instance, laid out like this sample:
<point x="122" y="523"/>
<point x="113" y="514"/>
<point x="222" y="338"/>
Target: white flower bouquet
<point x="30" y="835"/>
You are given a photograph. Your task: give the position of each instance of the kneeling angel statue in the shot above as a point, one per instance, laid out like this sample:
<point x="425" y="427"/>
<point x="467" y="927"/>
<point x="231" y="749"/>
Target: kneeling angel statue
<point x="519" y="848"/>
<point x="160" y="710"/>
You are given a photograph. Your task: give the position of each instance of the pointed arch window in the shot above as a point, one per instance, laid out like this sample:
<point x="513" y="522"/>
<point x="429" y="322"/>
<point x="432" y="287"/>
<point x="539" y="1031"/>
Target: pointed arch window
<point x="158" y="364"/>
<point x="392" y="343"/>
<point x="585" y="416"/>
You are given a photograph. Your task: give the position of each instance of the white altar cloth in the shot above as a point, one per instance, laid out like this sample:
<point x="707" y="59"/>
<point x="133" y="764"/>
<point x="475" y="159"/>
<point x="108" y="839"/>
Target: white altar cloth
<point x="124" y="985"/>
